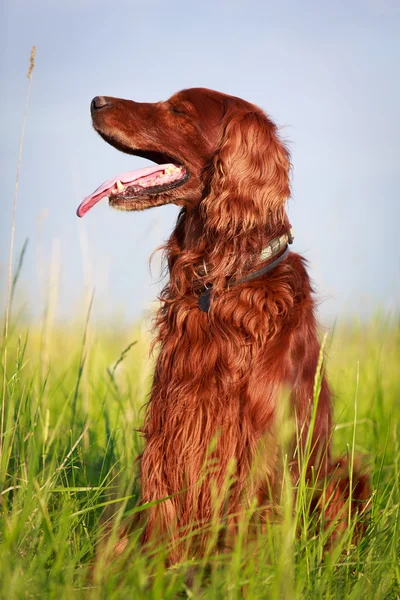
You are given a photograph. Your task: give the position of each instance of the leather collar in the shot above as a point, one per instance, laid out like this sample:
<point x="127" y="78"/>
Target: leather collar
<point x="274" y="248"/>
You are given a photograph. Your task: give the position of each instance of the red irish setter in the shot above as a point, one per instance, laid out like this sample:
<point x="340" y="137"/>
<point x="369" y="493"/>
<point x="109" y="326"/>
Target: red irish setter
<point x="236" y="324"/>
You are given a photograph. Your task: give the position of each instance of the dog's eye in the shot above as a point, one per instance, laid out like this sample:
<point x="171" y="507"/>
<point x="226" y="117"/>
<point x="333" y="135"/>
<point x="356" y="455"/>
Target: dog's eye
<point x="177" y="111"/>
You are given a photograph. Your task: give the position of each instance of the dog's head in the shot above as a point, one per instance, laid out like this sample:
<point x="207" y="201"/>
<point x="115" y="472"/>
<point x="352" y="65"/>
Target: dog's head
<point x="208" y="147"/>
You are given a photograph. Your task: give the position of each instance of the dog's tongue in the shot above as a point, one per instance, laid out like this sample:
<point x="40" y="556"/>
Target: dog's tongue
<point x="108" y="186"/>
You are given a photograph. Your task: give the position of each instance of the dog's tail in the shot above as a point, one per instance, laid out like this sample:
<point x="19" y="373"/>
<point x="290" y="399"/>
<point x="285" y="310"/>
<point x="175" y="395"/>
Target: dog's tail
<point x="343" y="501"/>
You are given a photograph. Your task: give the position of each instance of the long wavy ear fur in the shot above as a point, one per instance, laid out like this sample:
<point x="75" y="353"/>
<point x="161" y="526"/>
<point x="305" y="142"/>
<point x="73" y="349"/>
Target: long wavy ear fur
<point x="250" y="180"/>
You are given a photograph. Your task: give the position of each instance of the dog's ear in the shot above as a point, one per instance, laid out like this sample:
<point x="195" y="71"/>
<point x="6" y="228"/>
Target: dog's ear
<point x="250" y="179"/>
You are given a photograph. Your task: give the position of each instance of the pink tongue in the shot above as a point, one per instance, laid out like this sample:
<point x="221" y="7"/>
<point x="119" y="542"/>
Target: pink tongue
<point x="105" y="189"/>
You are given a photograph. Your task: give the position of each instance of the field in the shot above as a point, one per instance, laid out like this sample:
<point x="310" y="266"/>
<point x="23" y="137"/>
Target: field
<point x="72" y="410"/>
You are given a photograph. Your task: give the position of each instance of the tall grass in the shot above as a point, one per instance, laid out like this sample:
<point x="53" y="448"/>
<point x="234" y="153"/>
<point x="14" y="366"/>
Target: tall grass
<point x="70" y="415"/>
<point x="68" y="465"/>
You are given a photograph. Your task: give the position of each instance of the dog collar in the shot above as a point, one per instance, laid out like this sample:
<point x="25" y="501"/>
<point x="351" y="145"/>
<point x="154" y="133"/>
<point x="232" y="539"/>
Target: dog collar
<point x="274" y="247"/>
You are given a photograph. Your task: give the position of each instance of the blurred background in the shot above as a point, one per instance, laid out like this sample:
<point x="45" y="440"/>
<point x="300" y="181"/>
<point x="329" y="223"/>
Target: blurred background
<point x="326" y="72"/>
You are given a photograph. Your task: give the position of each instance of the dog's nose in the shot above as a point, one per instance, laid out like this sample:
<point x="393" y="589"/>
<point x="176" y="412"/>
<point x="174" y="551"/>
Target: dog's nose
<point x="97" y="103"/>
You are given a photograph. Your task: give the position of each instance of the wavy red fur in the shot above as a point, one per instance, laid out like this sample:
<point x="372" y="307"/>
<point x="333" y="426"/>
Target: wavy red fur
<point x="219" y="375"/>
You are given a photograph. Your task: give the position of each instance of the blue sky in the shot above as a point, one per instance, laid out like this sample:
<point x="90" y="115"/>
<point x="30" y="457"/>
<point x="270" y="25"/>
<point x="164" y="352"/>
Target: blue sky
<point x="327" y="73"/>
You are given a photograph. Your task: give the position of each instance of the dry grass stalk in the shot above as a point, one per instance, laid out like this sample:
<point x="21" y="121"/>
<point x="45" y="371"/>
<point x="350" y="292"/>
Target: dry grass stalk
<point x="10" y="260"/>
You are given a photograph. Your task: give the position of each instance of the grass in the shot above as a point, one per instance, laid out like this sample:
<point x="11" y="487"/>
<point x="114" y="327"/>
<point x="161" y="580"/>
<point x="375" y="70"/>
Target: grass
<point x="72" y="409"/>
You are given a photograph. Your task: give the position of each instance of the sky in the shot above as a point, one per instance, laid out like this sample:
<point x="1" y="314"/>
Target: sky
<point x="327" y="74"/>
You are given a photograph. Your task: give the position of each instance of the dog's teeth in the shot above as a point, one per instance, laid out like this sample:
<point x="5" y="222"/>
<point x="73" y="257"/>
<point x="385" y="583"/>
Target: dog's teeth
<point x="120" y="186"/>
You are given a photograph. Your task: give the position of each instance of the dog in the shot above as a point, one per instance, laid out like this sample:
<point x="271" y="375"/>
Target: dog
<point x="236" y="325"/>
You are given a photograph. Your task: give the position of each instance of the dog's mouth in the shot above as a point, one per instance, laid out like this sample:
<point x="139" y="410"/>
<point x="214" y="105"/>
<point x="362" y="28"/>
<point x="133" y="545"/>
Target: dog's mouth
<point x="128" y="188"/>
